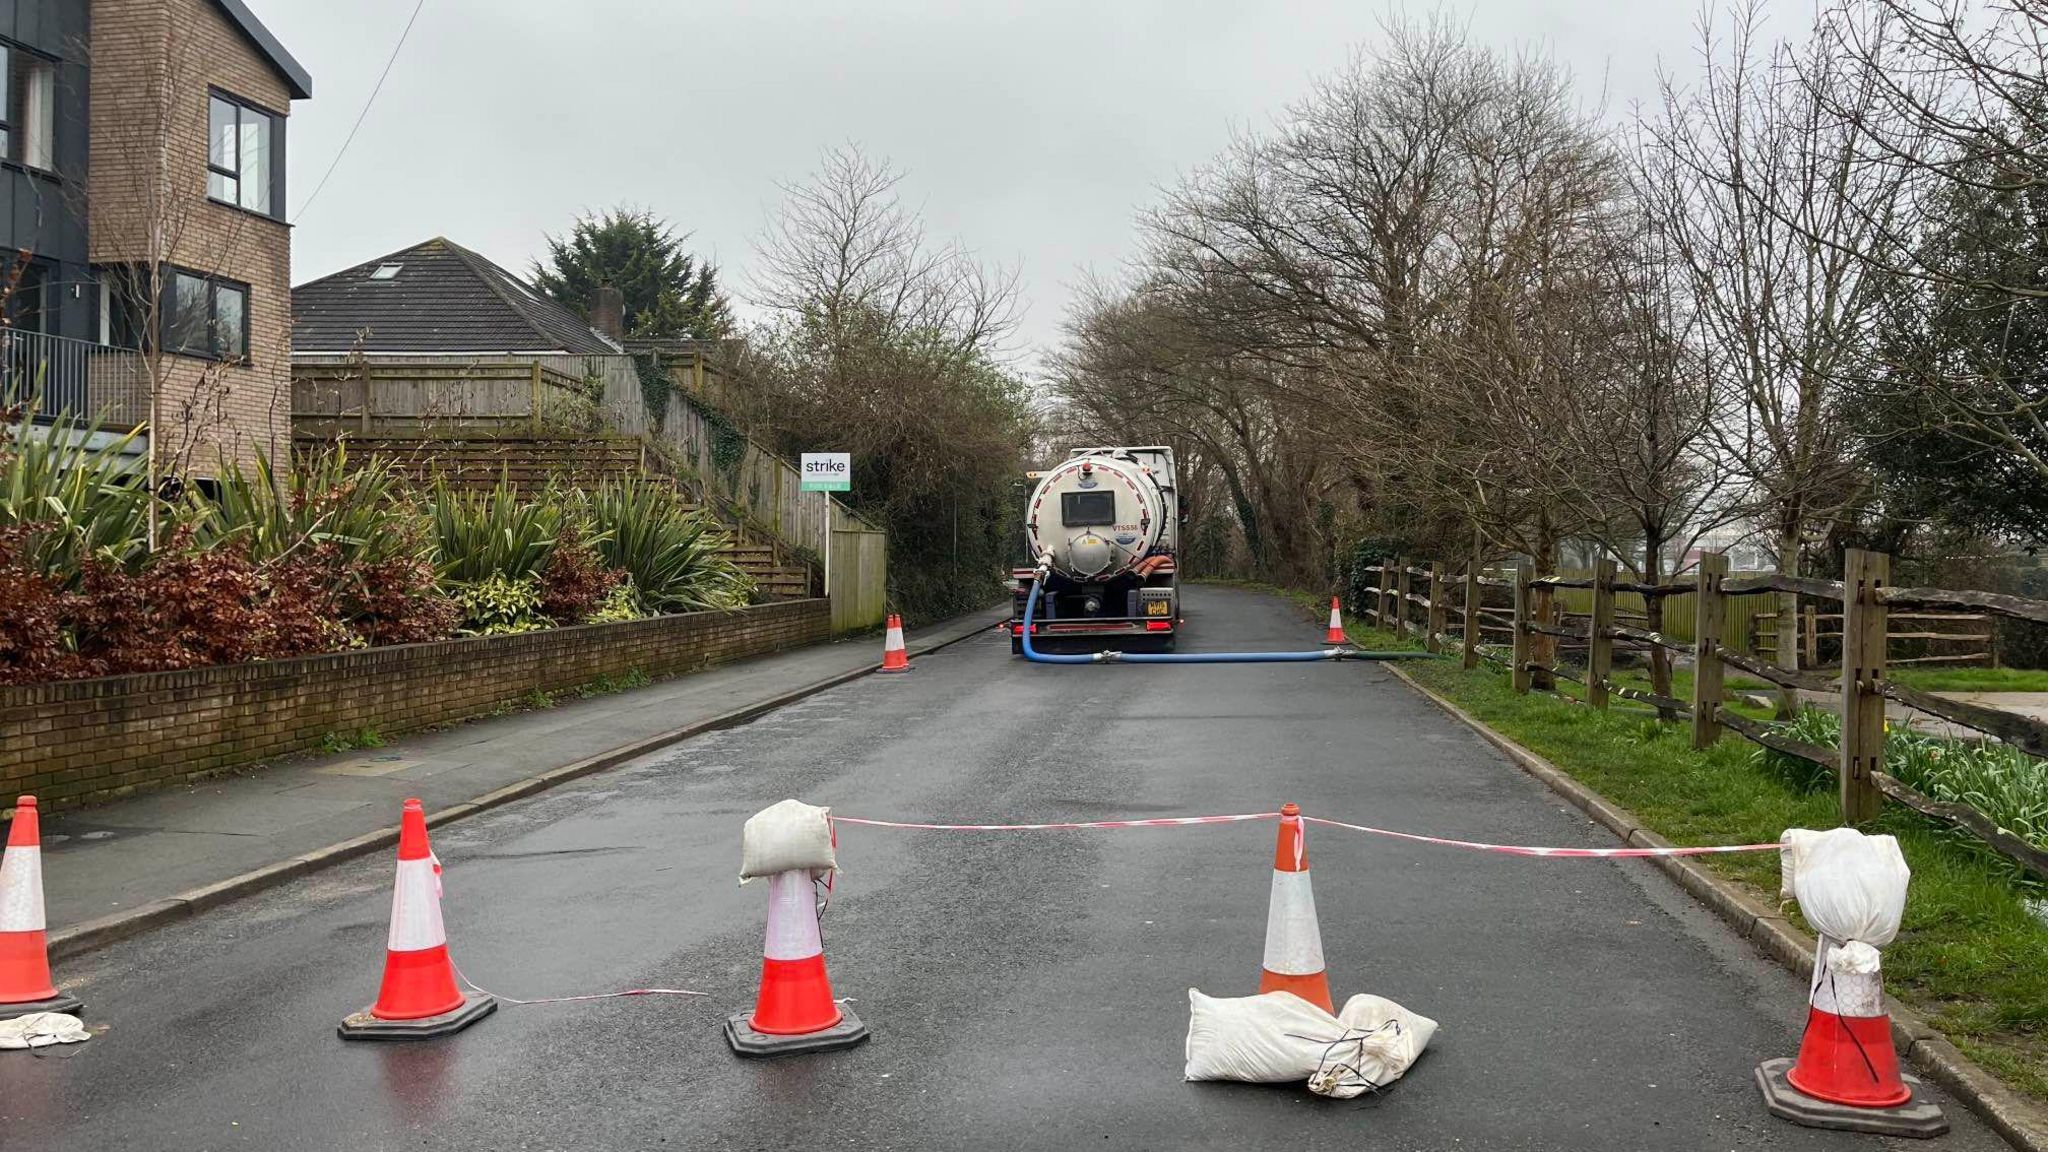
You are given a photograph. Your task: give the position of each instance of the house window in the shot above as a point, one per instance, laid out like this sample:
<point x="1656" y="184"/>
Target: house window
<point x="32" y="304"/>
<point x="205" y="317"/>
<point x="196" y="315"/>
<point x="243" y="150"/>
<point x="28" y="134"/>
<point x="123" y="299"/>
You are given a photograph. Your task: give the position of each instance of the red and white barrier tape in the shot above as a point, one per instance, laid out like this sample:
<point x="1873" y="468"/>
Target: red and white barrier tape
<point x="1532" y="850"/>
<point x="1180" y="821"/>
<point x="1163" y="822"/>
<point x="475" y="987"/>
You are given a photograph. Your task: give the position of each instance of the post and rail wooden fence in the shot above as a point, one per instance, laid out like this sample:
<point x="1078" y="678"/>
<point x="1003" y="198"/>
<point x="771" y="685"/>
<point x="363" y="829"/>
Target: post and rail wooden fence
<point x="1866" y="596"/>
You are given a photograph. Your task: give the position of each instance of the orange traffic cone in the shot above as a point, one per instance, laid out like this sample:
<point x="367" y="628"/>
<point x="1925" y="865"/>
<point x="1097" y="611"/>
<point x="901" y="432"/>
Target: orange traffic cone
<point x="419" y="996"/>
<point x="24" y="952"/>
<point x="1336" y="633"/>
<point x="1294" y="942"/>
<point x="795" y="1011"/>
<point x="894" y="658"/>
<point x="1847" y="1072"/>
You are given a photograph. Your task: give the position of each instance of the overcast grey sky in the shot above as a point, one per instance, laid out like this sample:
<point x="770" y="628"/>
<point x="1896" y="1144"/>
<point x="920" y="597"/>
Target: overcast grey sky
<point x="1032" y="131"/>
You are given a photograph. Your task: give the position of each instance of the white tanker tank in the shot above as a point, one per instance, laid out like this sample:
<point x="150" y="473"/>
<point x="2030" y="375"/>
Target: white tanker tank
<point x="1109" y="518"/>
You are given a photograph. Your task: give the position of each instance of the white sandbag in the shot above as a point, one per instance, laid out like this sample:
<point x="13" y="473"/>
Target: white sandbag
<point x="1851" y="887"/>
<point x="784" y="837"/>
<point x="1792" y="846"/>
<point x="1274" y="1038"/>
<point x="1379" y="1042"/>
<point x="42" y="1029"/>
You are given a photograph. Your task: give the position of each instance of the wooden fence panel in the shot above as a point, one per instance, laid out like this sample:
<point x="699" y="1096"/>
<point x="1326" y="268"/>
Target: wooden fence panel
<point x="858" y="581"/>
<point x="1738" y="629"/>
<point x="1864" y="593"/>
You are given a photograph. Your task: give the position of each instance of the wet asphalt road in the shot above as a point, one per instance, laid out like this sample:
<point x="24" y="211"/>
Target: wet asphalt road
<point x="1025" y="991"/>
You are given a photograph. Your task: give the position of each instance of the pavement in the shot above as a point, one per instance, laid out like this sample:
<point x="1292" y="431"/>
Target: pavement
<point x="2033" y="705"/>
<point x="131" y="854"/>
<point x="1025" y="990"/>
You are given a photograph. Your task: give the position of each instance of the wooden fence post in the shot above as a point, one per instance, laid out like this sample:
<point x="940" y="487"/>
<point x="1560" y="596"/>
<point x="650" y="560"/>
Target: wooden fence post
<point x="1812" y="637"/>
<point x="1785" y="650"/>
<point x="1519" y="676"/>
<point x="1473" y="595"/>
<point x="1863" y="644"/>
<point x="1401" y="600"/>
<point x="535" y="414"/>
<point x="1543" y="648"/>
<point x="1599" y="645"/>
<point x="1386" y="584"/>
<point x="1436" y="615"/>
<point x="1710" y="613"/>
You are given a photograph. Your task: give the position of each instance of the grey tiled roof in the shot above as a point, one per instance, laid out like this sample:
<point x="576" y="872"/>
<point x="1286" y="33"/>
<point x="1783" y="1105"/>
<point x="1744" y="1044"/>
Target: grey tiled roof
<point x="444" y="298"/>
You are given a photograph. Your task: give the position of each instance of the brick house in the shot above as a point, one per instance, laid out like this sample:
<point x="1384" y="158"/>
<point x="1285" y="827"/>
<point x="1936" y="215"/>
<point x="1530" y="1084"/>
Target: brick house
<point x="142" y="221"/>
<point x="188" y="239"/>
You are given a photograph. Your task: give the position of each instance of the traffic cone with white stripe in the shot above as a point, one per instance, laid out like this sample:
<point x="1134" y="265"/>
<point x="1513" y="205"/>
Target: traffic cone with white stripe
<point x="1847" y="1072"/>
<point x="419" y="996"/>
<point x="1294" y="941"/>
<point x="795" y="1011"/>
<point x="25" y="984"/>
<point x="894" y="658"/>
<point x="1336" y="633"/>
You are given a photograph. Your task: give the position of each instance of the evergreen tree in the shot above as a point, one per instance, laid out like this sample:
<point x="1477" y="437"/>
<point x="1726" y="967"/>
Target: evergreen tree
<point x="1957" y="427"/>
<point x="668" y="292"/>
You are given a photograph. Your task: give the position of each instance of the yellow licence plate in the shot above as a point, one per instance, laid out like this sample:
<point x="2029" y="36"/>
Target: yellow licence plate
<point x="1158" y="607"/>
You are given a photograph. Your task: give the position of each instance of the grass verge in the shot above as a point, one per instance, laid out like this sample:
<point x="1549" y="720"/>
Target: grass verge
<point x="1972" y="954"/>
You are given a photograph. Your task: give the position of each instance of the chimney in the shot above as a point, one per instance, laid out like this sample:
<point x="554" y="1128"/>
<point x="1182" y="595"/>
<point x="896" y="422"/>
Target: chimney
<point x="608" y="312"/>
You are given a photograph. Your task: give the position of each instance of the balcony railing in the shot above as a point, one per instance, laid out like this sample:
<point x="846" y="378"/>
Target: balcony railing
<point x="61" y="375"/>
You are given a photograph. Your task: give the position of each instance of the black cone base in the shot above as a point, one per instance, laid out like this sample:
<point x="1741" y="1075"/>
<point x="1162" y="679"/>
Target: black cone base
<point x="1919" y="1117"/>
<point x="747" y="1042"/>
<point x="58" y="1003"/>
<point x="363" y="1026"/>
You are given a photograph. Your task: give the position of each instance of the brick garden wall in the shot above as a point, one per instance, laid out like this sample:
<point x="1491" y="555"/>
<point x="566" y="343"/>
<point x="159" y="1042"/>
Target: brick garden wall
<point x="81" y="741"/>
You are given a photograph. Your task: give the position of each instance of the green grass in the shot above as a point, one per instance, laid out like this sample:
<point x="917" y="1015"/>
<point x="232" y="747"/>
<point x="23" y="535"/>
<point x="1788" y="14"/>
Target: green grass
<point x="1971" y="955"/>
<point x="1972" y="679"/>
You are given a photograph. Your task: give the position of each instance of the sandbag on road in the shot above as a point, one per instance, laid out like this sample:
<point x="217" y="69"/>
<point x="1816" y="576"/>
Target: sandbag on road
<point x="1279" y="1038"/>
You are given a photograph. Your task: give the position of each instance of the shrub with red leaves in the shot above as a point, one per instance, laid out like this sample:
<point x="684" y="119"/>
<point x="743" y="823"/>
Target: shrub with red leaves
<point x="391" y="601"/>
<point x="188" y="606"/>
<point x="576" y="579"/>
<point x="184" y="608"/>
<point x="35" y="615"/>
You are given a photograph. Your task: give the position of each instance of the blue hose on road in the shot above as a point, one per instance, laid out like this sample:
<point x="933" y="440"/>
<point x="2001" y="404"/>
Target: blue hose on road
<point x="1032" y="654"/>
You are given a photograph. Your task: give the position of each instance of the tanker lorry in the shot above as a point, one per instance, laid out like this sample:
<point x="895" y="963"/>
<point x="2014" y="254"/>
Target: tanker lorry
<point x="1109" y="521"/>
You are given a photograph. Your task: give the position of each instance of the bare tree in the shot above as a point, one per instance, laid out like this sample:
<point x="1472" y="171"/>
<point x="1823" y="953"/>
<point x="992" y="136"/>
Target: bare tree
<point x="1394" y="250"/>
<point x="1957" y="113"/>
<point x="1766" y="201"/>
<point x="1139" y="367"/>
<point x="845" y="248"/>
<point x="1648" y="482"/>
<point x="1955" y="94"/>
<point x="885" y="344"/>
